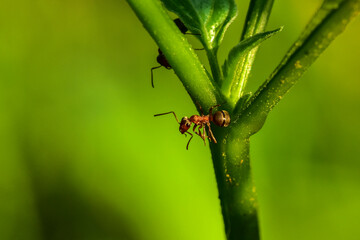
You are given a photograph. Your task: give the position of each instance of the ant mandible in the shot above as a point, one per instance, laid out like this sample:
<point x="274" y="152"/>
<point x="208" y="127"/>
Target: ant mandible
<point x="219" y="118"/>
<point x="161" y="59"/>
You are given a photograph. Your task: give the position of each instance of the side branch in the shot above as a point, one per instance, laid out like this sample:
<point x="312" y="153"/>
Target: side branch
<point x="178" y="52"/>
<point x="295" y="65"/>
<point x="255" y="22"/>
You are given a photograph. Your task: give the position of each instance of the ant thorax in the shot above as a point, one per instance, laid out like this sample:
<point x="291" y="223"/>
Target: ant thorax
<point x="198" y="120"/>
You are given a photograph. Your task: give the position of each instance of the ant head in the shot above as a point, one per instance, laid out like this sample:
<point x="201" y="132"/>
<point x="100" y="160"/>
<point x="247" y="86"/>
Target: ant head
<point x="184" y="125"/>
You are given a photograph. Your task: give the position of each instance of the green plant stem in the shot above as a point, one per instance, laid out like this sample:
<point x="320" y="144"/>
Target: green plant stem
<point x="295" y="65"/>
<point x="231" y="154"/>
<point x="214" y="65"/>
<point x="239" y="201"/>
<point x="255" y="22"/>
<point x="237" y="192"/>
<point x="178" y="52"/>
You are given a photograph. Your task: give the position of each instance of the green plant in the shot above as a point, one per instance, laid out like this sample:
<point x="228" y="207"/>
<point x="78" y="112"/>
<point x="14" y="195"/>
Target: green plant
<point x="226" y="85"/>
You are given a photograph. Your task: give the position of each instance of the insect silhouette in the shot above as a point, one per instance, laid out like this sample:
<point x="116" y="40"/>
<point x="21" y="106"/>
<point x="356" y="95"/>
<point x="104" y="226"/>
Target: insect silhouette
<point x="219" y="118"/>
<point x="161" y="59"/>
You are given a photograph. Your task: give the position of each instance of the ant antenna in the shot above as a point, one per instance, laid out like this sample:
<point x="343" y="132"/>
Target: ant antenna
<point x="152" y="79"/>
<point x="156" y="115"/>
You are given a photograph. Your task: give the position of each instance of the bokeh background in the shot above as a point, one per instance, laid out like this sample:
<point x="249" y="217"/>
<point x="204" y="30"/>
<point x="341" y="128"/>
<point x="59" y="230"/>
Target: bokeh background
<point x="82" y="157"/>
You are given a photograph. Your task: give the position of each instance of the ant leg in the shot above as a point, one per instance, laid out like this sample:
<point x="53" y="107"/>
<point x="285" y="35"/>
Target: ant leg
<point x="211" y="134"/>
<point x="210" y="110"/>
<point x="187" y="146"/>
<point x="200" y="134"/>
<point x="194" y="129"/>
<point x="200" y="109"/>
<point x="152" y="78"/>
<point x="168" y="113"/>
<point x="204" y="134"/>
<point x="199" y="49"/>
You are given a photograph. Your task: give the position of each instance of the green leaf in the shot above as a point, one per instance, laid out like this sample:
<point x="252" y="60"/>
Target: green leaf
<point x="209" y="18"/>
<point x="232" y="66"/>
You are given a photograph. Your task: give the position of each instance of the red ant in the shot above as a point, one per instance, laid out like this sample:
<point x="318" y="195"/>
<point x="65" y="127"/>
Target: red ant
<point x="219" y="118"/>
<point x="161" y="59"/>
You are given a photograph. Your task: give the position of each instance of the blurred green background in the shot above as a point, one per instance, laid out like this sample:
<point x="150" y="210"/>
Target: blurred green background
<point x="82" y="157"/>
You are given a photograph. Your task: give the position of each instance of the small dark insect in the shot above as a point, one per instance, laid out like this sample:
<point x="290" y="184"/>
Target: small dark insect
<point x="161" y="59"/>
<point x="219" y="118"/>
<point x="183" y="29"/>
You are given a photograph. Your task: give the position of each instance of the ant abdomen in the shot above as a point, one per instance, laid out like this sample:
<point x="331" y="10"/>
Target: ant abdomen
<point x="183" y="29"/>
<point x="221" y="118"/>
<point x="162" y="61"/>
